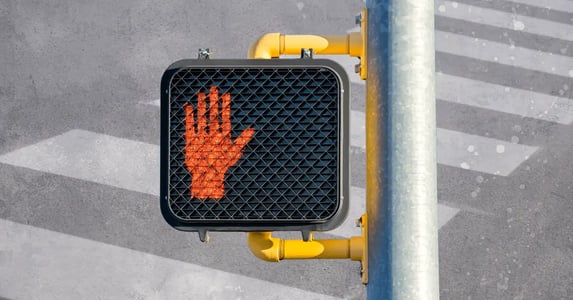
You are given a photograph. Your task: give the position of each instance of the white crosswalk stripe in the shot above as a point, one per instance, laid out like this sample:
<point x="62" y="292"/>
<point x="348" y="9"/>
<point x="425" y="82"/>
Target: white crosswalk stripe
<point x="479" y="153"/>
<point x="559" y="5"/>
<point x="94" y="157"/>
<point x="505" y="20"/>
<point x="42" y="264"/>
<point x="503" y="53"/>
<point x="504" y="99"/>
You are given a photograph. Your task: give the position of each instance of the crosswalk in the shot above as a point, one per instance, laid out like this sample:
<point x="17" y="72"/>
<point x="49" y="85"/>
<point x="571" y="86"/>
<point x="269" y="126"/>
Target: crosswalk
<point x="30" y="255"/>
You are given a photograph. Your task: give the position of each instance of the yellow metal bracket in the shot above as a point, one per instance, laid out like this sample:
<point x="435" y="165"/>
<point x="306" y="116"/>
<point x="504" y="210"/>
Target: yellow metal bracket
<point x="262" y="244"/>
<point x="269" y="248"/>
<point x="273" y="45"/>
<point x="273" y="249"/>
<point x="364" y="39"/>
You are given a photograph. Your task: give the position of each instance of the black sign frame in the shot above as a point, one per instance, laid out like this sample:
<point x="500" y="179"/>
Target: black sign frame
<point x="259" y="225"/>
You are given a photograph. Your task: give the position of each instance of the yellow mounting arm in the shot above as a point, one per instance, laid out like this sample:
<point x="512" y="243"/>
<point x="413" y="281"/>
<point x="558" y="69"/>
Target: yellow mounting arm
<point x="273" y="45"/>
<point x="268" y="248"/>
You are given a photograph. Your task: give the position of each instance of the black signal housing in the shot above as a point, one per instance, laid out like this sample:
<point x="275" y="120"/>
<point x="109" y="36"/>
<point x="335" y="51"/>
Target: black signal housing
<point x="292" y="175"/>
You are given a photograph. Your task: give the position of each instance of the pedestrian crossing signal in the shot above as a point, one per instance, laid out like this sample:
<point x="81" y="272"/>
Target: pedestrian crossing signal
<point x="253" y="145"/>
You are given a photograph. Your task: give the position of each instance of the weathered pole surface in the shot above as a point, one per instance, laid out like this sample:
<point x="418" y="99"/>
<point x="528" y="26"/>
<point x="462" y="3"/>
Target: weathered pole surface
<point x="401" y="151"/>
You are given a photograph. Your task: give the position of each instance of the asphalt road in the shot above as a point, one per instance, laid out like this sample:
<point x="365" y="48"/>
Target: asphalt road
<point x="79" y="142"/>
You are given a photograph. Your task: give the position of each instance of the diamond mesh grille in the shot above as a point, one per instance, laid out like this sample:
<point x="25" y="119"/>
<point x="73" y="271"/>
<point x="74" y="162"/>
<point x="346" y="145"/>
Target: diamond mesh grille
<point x="289" y="170"/>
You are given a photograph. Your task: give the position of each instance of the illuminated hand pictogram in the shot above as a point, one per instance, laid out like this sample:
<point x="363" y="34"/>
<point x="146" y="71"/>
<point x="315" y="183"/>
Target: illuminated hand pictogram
<point x="210" y="153"/>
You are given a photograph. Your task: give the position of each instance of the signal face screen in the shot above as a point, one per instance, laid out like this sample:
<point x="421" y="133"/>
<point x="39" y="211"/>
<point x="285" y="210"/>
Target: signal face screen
<point x="253" y="143"/>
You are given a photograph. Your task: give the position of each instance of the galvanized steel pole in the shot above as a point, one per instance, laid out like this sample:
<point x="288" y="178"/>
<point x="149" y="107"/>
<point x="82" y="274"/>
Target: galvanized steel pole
<point x="401" y="151"/>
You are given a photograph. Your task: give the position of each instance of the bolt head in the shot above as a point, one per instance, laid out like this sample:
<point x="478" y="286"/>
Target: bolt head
<point x="358" y="19"/>
<point x="357" y="68"/>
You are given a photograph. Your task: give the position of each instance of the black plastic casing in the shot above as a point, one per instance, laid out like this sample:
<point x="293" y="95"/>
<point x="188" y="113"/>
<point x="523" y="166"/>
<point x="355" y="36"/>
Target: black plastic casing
<point x="169" y="106"/>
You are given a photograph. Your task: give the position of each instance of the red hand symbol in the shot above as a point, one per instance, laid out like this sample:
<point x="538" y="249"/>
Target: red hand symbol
<point x="208" y="155"/>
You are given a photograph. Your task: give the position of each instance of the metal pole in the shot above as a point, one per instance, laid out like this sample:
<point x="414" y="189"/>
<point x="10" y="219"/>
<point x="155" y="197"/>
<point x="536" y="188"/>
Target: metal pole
<point x="401" y="151"/>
